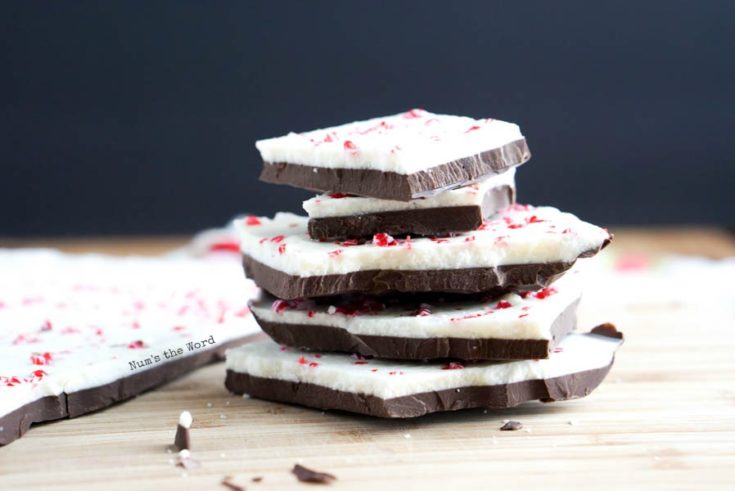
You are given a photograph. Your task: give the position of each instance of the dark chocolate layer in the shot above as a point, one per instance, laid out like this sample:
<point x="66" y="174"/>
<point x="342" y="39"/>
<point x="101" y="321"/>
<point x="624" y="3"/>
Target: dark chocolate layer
<point x="14" y="424"/>
<point x="570" y="386"/>
<point x="328" y="338"/>
<point x="391" y="185"/>
<point x="418" y="222"/>
<point x="495" y="281"/>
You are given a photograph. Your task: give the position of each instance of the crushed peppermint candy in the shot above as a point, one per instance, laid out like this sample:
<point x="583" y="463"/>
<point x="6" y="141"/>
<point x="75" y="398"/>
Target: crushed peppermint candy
<point x="423" y="310"/>
<point x="384" y="240"/>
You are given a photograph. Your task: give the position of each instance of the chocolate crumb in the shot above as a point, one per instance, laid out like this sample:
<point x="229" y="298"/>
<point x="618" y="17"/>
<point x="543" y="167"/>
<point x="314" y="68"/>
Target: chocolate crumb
<point x="257" y="479"/>
<point x="608" y="330"/>
<point x="304" y="474"/>
<point x="512" y="426"/>
<point x="227" y="482"/>
<point x="182" y="440"/>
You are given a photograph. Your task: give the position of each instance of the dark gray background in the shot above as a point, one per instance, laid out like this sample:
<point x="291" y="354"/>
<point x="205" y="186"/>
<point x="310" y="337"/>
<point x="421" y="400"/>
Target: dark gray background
<point x="140" y="117"/>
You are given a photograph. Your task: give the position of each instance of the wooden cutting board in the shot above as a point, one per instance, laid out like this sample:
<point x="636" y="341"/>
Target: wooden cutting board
<point x="664" y="419"/>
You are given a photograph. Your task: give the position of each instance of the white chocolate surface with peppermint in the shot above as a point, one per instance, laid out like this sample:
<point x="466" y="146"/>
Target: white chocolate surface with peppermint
<point x="521" y="234"/>
<point x="71" y="323"/>
<point x="402" y="143"/>
<point x="334" y="205"/>
<point x="512" y="316"/>
<point x="384" y="379"/>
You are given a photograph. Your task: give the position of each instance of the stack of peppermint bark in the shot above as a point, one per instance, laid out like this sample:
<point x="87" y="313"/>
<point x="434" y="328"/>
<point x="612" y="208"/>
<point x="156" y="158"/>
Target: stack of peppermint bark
<point x="416" y="284"/>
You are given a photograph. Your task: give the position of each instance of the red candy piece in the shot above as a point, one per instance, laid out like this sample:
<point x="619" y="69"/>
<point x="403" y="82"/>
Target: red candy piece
<point x="503" y="304"/>
<point x="384" y="240"/>
<point x="230" y="246"/>
<point x="281" y="248"/>
<point x="279" y="306"/>
<point x="136" y="345"/>
<point x="41" y="358"/>
<point x="413" y="113"/>
<point x="453" y="365"/>
<point x="252" y="220"/>
<point x="338" y="195"/>
<point x="423" y="310"/>
<point x="350" y="147"/>
<point x="543" y="293"/>
<point x="277" y="238"/>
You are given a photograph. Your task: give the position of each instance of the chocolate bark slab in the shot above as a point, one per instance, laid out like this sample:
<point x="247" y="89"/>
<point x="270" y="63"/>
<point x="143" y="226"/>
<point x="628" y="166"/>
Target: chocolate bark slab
<point x="407" y="391"/>
<point x="417" y="222"/>
<point x="421" y="327"/>
<point x="16" y="423"/>
<point x="493" y="281"/>
<point x="571" y="386"/>
<point x="334" y="339"/>
<point x="397" y="157"/>
<point x="395" y="186"/>
<point x="81" y="332"/>
<point x="521" y="248"/>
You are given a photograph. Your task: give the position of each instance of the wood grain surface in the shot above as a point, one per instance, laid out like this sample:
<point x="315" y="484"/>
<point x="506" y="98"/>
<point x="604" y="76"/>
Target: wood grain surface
<point x="664" y="418"/>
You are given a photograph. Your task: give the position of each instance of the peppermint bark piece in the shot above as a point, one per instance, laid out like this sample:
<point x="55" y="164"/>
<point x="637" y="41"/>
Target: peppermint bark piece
<point x="399" y="157"/>
<point x="526" y="326"/>
<point x="405" y="390"/>
<point x="522" y="248"/>
<point x="337" y="216"/>
<point x="81" y="333"/>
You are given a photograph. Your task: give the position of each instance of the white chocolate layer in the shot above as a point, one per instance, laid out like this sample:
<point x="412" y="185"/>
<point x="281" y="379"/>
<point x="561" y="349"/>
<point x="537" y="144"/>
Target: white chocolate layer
<point x="519" y="235"/>
<point x="74" y="322"/>
<point x="403" y="143"/>
<point x="576" y="353"/>
<point x="326" y="205"/>
<point x="526" y="318"/>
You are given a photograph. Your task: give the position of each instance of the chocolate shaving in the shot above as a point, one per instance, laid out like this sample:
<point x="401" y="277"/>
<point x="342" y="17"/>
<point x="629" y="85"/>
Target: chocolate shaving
<point x="227" y="482"/>
<point x="257" y="479"/>
<point x="304" y="474"/>
<point x="512" y="426"/>
<point x="608" y="330"/>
